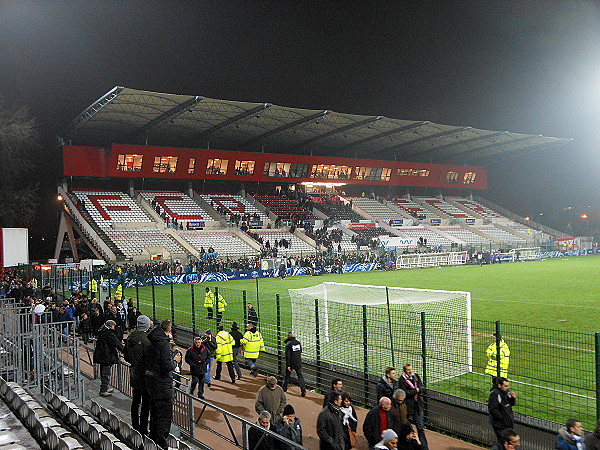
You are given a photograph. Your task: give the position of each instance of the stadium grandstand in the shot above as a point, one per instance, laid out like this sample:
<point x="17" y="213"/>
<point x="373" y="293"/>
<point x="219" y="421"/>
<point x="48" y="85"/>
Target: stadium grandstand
<point x="256" y="172"/>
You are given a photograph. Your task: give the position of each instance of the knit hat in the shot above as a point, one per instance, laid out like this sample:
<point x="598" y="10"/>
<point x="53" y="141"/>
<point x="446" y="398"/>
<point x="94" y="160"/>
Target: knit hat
<point x="143" y="323"/>
<point x="271" y="381"/>
<point x="388" y="435"/>
<point x="289" y="409"/>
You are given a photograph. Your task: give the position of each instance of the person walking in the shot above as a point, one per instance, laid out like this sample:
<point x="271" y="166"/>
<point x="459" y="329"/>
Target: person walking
<point x="106" y="354"/>
<point x="293" y="361"/>
<point x="271" y="398"/>
<point x="136" y="352"/>
<point x="337" y="385"/>
<point x="350" y="420"/>
<point x="330" y="427"/>
<point x="377" y="420"/>
<point x="257" y="438"/>
<point x="511" y="441"/>
<point x="387" y="384"/>
<point x="224" y="353"/>
<point x="196" y="357"/>
<point x="592" y="440"/>
<point x="237" y="348"/>
<point x="159" y="381"/>
<point x="500" y="404"/>
<point x="289" y="427"/>
<point x="210" y="343"/>
<point x="414" y="388"/>
<point x="209" y="302"/>
<point x="252" y="344"/>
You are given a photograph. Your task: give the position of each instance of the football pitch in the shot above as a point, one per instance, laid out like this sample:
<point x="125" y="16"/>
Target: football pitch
<point x="548" y="310"/>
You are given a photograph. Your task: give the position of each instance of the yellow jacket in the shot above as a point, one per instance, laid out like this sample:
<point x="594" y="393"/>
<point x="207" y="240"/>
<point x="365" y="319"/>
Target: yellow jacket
<point x="93" y="285"/>
<point x="492" y="368"/>
<point x="224" y="352"/>
<point x="253" y="344"/>
<point x="209" y="299"/>
<point x="119" y="291"/>
<point x="221" y="303"/>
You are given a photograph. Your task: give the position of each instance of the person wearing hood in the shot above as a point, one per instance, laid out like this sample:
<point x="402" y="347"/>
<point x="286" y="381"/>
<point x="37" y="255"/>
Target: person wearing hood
<point x="159" y="382"/>
<point x="500" y="404"/>
<point x="387" y="384"/>
<point x="252" y="344"/>
<point x="237" y="346"/>
<point x="136" y="351"/>
<point x="106" y="354"/>
<point x="329" y="424"/>
<point x="289" y="427"/>
<point x="571" y="436"/>
<point x="592" y="441"/>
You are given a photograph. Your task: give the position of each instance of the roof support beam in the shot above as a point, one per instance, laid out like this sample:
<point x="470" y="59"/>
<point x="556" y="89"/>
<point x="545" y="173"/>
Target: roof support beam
<point x="402" y="130"/>
<point x="466" y="141"/>
<point x="350" y="126"/>
<point x="535" y="148"/>
<point x="494" y="145"/>
<point x="170" y="114"/>
<point x="228" y="122"/>
<point x="285" y="127"/>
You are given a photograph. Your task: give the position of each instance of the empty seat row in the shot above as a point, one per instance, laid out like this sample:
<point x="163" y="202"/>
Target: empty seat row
<point x="224" y="243"/>
<point x="445" y="207"/>
<point x="108" y="207"/>
<point x="478" y="208"/>
<point x="176" y="205"/>
<point x="133" y="242"/>
<point x="501" y="235"/>
<point x="375" y="209"/>
<point x="467" y="236"/>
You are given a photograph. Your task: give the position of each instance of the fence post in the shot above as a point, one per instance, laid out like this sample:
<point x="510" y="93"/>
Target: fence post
<point x="365" y="355"/>
<point x="498" y="338"/>
<point x="172" y="303"/>
<point x="153" y="301"/>
<point x="389" y="314"/>
<point x="245" y="302"/>
<point x="424" y="360"/>
<point x="109" y="285"/>
<point x="137" y="292"/>
<point x="279" y="352"/>
<point x="193" y="310"/>
<point x="216" y="305"/>
<point x="318" y="343"/>
<point x="597" y="335"/>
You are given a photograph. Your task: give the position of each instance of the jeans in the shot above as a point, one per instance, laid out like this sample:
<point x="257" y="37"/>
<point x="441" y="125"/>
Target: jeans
<point x="105" y="370"/>
<point x="139" y="417"/>
<point x="301" y="383"/>
<point x="236" y="365"/>
<point x="251" y="362"/>
<point x="197" y="381"/>
<point x="207" y="373"/>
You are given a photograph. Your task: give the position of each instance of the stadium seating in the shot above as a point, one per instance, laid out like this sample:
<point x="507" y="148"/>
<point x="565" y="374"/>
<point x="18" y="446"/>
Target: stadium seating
<point x="176" y="205"/>
<point x="133" y="242"/>
<point x="502" y="235"/>
<point x="444" y="207"/>
<point x="296" y="246"/>
<point x="465" y="235"/>
<point x="477" y="208"/>
<point x="433" y="238"/>
<point x="233" y="204"/>
<point x="414" y="209"/>
<point x="108" y="207"/>
<point x="225" y="243"/>
<point x="284" y="207"/>
<point x="337" y="211"/>
<point x="376" y="210"/>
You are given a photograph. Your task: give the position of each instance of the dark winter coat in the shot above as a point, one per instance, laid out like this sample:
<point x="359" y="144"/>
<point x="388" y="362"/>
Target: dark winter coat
<point x="414" y="406"/>
<point x="197" y="361"/>
<point x="252" y="316"/>
<point x="159" y="366"/>
<point x="592" y="441"/>
<point x="136" y="352"/>
<point x="237" y="336"/>
<point x="85" y="326"/>
<point x="565" y="442"/>
<point x="372" y="426"/>
<point x="254" y="436"/>
<point x="330" y="429"/>
<point x="97" y="321"/>
<point x="293" y="354"/>
<point x="107" y="347"/>
<point x="500" y="406"/>
<point x="292" y="431"/>
<point x="386" y="389"/>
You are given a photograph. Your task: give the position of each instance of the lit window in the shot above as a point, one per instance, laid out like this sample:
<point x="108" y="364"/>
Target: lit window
<point x="469" y="178"/>
<point x="289" y="170"/>
<point x="165" y="164"/>
<point x="129" y="163"/>
<point x="217" y="166"/>
<point x="192" y="165"/>
<point x="330" y="171"/>
<point x="372" y="173"/>
<point x="244" y="168"/>
<point x="452" y="177"/>
<point x="413" y="173"/>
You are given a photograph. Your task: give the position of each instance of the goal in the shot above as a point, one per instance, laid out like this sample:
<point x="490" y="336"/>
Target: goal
<point x="367" y="327"/>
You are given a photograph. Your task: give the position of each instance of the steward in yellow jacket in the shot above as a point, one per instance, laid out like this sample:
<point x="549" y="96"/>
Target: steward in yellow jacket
<point x="224" y="353"/>
<point x="119" y="291"/>
<point x="93" y="288"/>
<point x="209" y="302"/>
<point x="221" y="304"/>
<point x="492" y="355"/>
<point x="253" y="344"/>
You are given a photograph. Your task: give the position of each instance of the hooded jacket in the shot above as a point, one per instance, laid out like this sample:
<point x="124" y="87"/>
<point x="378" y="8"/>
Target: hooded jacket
<point x="386" y="389"/>
<point x="107" y="346"/>
<point x="136" y="351"/>
<point x="159" y="366"/>
<point x="500" y="406"/>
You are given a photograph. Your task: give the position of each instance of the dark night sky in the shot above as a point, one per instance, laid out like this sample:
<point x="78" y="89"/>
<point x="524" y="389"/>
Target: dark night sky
<point x="523" y="66"/>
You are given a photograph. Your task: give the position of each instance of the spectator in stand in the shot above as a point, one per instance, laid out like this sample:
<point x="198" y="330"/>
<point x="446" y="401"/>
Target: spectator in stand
<point x="106" y="355"/>
<point x="330" y="427"/>
<point x="271" y="398"/>
<point x="571" y="436"/>
<point x="350" y="420"/>
<point x="257" y="440"/>
<point x="412" y="385"/>
<point x="377" y="420"/>
<point x="336" y="386"/>
<point x="289" y="427"/>
<point x="500" y="404"/>
<point x="387" y="384"/>
<point x="136" y="352"/>
<point x="237" y="347"/>
<point x="196" y="357"/>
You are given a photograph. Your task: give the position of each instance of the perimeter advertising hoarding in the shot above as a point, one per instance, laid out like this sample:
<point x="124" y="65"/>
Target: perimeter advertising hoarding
<point x="14" y="246"/>
<point x="397" y="242"/>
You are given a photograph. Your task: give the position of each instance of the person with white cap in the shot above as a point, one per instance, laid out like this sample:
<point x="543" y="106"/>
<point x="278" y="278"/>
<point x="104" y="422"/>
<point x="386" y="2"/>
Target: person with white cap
<point x="389" y="440"/>
<point x="136" y="350"/>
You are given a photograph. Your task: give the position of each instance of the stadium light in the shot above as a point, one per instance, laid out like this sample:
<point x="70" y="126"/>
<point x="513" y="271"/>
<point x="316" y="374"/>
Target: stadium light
<point x="527" y="218"/>
<point x="584" y="216"/>
<point x="59" y="198"/>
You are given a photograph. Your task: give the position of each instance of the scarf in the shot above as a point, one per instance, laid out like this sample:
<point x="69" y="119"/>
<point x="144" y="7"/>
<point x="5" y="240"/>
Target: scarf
<point x="578" y="440"/>
<point x="410" y="383"/>
<point x="347" y="415"/>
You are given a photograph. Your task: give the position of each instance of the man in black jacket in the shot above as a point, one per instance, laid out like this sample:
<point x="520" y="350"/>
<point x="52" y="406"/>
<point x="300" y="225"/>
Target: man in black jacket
<point x="293" y="361"/>
<point x="136" y="352"/>
<point x="500" y="405"/>
<point x="414" y="388"/>
<point x="330" y="428"/>
<point x="372" y="425"/>
<point x="106" y="354"/>
<point x="236" y="334"/>
<point x="159" y="382"/>
<point x="196" y="357"/>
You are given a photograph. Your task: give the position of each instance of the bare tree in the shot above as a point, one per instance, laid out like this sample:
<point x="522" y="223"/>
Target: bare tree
<point x="19" y="139"/>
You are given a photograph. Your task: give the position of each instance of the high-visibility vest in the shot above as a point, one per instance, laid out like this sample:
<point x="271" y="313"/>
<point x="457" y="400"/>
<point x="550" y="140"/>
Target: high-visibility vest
<point x="93" y="285"/>
<point x="209" y="299"/>
<point x="253" y="344"/>
<point x="221" y="303"/>
<point x="492" y="367"/>
<point x="119" y="291"/>
<point x="224" y="352"/>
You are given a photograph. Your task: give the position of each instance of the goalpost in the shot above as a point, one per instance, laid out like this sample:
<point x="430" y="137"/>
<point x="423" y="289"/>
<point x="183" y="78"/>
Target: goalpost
<point x="371" y="327"/>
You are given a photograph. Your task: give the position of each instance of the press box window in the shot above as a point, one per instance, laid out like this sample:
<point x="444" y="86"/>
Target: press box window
<point x="372" y="173"/>
<point x="129" y="163"/>
<point x="192" y="165"/>
<point x="469" y="178"/>
<point x="217" y="166"/>
<point x="330" y="171"/>
<point x="452" y="177"/>
<point x="274" y="169"/>
<point x="413" y="172"/>
<point x="165" y="164"/>
<point x="244" y="168"/>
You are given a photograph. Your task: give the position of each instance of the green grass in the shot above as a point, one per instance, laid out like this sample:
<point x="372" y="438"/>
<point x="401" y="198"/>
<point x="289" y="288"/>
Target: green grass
<point x="548" y="311"/>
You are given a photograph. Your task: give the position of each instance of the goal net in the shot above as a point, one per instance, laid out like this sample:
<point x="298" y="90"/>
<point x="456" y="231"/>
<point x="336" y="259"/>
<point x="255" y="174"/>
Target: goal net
<point x="367" y="327"/>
